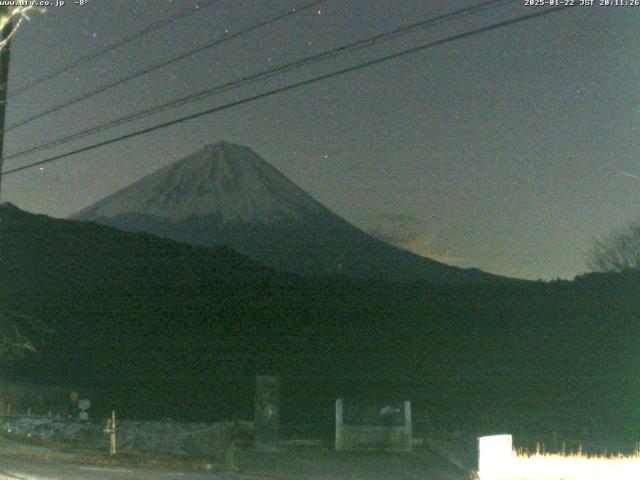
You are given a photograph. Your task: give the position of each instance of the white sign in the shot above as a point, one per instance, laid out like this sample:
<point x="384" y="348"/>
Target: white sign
<point x="496" y="456"/>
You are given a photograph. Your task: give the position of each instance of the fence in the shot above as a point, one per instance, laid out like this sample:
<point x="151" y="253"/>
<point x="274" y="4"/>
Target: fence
<point x="160" y="437"/>
<point x="33" y="399"/>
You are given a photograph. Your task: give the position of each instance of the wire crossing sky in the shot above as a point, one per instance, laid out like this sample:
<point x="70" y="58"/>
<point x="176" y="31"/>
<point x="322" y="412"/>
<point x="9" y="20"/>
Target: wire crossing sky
<point x="508" y="150"/>
<point x="287" y="67"/>
<point x="286" y="88"/>
<point x="120" y="81"/>
<point x="162" y="23"/>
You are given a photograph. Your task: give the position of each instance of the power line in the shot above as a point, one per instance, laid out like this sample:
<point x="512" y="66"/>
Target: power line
<point x="218" y="41"/>
<point x="109" y="48"/>
<point x="293" y="86"/>
<point x="263" y="75"/>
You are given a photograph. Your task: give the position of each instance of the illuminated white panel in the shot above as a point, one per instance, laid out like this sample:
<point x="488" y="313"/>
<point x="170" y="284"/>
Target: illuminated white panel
<point x="495" y="457"/>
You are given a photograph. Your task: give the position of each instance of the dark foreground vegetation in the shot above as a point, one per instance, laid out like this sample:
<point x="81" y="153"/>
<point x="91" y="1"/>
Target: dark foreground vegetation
<point x="160" y="329"/>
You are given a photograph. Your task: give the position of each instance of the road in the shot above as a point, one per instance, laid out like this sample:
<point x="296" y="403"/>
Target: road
<point x="290" y="464"/>
<point x="26" y="470"/>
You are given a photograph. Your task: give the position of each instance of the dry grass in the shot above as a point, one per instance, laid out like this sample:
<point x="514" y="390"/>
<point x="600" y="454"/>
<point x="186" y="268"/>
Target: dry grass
<point x="527" y="466"/>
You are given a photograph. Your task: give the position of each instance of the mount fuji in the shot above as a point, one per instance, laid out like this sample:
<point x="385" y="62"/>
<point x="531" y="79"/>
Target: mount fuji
<point x="226" y="194"/>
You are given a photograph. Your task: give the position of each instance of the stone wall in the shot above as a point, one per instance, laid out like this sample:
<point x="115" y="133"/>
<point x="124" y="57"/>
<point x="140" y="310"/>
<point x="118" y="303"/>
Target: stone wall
<point x="161" y="437"/>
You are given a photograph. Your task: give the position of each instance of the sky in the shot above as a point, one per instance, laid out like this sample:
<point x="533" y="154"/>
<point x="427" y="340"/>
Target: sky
<point x="509" y="151"/>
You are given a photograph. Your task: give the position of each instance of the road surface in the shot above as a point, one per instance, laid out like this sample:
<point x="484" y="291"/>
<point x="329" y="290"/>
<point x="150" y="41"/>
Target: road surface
<point x="289" y="464"/>
<point x="27" y="470"/>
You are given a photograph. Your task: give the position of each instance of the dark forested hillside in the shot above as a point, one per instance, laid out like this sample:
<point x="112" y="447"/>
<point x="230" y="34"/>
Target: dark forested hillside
<point x="169" y="329"/>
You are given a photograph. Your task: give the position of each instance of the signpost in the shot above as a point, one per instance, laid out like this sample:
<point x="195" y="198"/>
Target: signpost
<point x="111" y="430"/>
<point x="83" y="406"/>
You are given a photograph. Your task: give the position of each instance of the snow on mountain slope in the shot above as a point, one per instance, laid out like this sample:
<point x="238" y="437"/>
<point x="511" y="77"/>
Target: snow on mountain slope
<point x="223" y="180"/>
<point x="226" y="194"/>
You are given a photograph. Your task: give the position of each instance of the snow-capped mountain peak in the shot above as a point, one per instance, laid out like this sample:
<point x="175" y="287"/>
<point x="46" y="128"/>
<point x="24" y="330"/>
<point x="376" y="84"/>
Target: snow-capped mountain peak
<point x="224" y="180"/>
<point x="225" y="194"/>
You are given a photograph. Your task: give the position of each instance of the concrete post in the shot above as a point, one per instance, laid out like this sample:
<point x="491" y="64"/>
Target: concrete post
<point x="267" y="413"/>
<point x="408" y="426"/>
<point x="339" y="424"/>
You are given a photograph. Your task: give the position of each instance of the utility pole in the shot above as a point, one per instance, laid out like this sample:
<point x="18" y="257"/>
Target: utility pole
<point x="4" y="83"/>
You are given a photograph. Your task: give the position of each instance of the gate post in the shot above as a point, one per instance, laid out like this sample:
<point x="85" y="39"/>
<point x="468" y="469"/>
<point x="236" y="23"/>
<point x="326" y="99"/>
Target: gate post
<point x="408" y="427"/>
<point x="267" y="413"/>
<point x="339" y="424"/>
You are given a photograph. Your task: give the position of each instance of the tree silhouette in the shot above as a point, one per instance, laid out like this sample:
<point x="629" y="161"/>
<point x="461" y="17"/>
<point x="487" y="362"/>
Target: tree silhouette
<point x="618" y="251"/>
<point x="17" y="332"/>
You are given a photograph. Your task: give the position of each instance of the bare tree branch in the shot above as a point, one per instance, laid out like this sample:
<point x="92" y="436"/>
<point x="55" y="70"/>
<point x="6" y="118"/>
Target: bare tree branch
<point x="17" y="332"/>
<point x="617" y="252"/>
